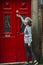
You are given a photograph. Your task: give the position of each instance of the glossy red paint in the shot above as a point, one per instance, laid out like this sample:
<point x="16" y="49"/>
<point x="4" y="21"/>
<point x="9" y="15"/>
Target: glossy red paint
<point x="12" y="48"/>
<point x="8" y="49"/>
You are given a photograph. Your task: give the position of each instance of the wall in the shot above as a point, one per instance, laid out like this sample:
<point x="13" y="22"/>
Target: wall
<point x="35" y="29"/>
<point x="41" y="30"/>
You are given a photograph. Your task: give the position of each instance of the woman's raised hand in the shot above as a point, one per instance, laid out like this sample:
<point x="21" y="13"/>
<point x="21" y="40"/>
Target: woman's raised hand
<point x="18" y="15"/>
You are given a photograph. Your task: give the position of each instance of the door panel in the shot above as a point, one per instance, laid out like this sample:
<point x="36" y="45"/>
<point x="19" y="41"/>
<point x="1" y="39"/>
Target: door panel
<point x="8" y="49"/>
<point x="8" y="32"/>
<point x="23" y="8"/>
<point x="21" y="53"/>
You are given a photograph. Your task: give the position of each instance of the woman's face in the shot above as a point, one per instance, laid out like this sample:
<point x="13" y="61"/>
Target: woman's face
<point x="25" y="23"/>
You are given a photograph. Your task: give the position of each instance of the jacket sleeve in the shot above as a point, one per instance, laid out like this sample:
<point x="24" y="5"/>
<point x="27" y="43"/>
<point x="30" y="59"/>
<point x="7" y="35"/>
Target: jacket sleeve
<point x="22" y="20"/>
<point x="30" y="35"/>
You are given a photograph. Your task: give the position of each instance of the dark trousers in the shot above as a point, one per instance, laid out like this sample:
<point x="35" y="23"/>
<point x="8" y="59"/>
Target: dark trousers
<point x="30" y="54"/>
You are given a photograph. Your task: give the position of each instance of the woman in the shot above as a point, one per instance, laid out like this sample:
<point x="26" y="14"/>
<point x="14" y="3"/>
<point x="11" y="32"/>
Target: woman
<point x="28" y="38"/>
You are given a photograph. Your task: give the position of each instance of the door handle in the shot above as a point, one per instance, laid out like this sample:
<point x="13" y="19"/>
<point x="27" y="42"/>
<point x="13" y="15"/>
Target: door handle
<point x="17" y="11"/>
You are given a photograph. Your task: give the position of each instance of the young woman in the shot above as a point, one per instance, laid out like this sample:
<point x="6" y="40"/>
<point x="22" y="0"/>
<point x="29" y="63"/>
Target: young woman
<point x="28" y="38"/>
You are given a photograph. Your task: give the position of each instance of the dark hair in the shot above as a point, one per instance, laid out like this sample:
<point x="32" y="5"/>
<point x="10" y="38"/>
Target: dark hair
<point x="29" y="23"/>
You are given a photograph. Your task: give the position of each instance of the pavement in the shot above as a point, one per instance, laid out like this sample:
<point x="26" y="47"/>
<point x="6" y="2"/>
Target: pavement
<point x="16" y="64"/>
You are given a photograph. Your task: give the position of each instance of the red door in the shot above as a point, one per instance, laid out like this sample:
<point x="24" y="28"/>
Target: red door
<point x="23" y="8"/>
<point x="11" y="30"/>
<point x="8" y="32"/>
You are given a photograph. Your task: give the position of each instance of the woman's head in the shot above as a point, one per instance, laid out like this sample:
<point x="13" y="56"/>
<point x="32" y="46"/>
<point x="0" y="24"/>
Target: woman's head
<point x="28" y="21"/>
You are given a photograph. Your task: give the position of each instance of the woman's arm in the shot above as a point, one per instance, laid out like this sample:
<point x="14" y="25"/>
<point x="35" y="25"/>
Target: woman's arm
<point x="20" y="17"/>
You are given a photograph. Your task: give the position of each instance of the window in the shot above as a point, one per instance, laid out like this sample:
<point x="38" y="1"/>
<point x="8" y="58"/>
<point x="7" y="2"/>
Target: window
<point x="7" y="22"/>
<point x="22" y="25"/>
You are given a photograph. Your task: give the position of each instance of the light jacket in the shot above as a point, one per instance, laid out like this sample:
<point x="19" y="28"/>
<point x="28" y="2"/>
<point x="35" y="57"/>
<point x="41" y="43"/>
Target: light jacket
<point x="27" y="33"/>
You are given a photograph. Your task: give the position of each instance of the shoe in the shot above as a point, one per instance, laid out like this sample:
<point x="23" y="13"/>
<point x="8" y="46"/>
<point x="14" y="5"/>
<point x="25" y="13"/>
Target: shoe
<point x="30" y="62"/>
<point x="35" y="62"/>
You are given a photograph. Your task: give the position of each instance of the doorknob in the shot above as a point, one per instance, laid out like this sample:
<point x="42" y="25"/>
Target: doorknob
<point x="17" y="11"/>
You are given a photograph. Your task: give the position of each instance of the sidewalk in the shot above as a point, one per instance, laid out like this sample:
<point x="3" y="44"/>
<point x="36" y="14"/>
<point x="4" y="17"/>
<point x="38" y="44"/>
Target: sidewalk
<point x="16" y="64"/>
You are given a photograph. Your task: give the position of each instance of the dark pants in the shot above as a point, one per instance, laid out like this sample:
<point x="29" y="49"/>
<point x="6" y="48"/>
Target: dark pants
<point x="30" y="54"/>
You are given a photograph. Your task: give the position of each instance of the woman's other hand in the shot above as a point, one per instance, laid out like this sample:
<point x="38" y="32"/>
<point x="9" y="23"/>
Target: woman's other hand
<point x="29" y="44"/>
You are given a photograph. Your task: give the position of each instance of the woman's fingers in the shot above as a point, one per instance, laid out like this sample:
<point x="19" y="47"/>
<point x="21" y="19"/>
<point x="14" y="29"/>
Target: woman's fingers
<point x="18" y="15"/>
<point x="29" y="44"/>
